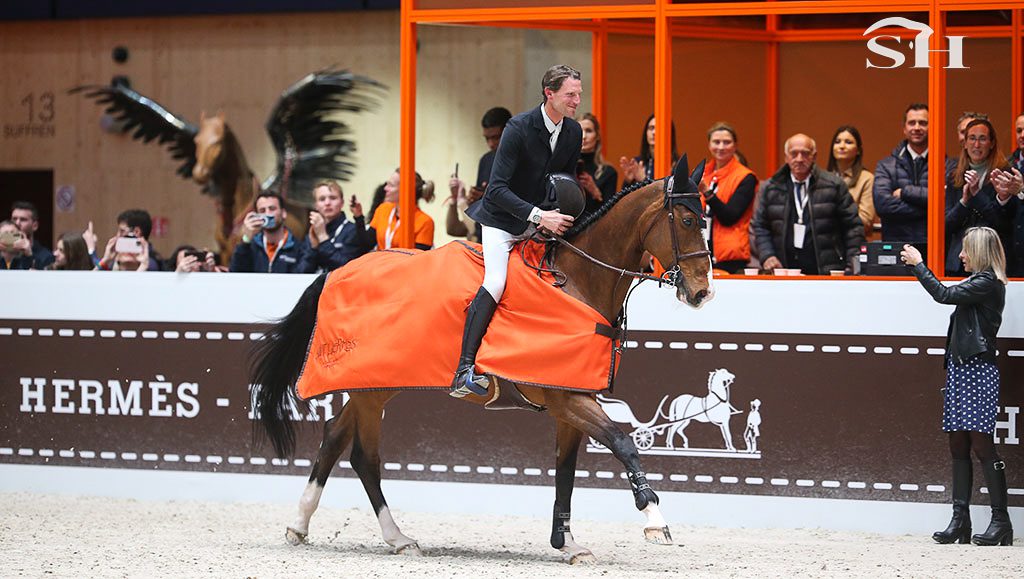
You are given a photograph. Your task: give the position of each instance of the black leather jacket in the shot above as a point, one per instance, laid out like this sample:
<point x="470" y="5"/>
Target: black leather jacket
<point x="975" y="322"/>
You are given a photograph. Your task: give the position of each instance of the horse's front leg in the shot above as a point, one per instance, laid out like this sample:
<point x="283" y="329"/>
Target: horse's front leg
<point x="582" y="412"/>
<point x="567" y="440"/>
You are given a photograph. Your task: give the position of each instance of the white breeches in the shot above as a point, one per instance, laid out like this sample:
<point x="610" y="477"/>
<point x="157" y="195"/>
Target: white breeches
<point x="497" y="245"/>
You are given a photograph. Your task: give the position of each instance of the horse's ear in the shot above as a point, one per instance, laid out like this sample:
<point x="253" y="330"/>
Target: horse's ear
<point x="220" y="115"/>
<point x="681" y="170"/>
<point x="202" y="116"/>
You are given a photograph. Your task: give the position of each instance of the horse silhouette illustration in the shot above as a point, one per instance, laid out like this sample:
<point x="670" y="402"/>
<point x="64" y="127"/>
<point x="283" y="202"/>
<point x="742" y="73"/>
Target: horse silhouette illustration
<point x="714" y="408"/>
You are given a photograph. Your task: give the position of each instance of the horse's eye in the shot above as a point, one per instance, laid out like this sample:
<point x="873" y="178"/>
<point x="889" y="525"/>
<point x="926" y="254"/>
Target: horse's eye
<point x="687" y="222"/>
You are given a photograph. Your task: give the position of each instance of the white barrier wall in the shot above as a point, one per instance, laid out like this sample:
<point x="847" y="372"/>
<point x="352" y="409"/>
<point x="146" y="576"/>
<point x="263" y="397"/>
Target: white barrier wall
<point x="143" y="377"/>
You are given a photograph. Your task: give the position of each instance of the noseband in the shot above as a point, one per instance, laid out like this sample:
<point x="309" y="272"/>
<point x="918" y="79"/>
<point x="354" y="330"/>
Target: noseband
<point x="690" y="201"/>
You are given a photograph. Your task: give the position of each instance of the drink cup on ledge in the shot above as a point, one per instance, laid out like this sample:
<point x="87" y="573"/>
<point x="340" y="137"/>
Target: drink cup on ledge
<point x="750" y="271"/>
<point x="837" y="272"/>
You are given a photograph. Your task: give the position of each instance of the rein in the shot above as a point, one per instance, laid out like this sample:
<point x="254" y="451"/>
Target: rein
<point x="672" y="276"/>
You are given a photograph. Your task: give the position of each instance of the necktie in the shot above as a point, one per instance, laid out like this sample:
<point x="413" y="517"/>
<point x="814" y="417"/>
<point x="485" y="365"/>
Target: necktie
<point x="800" y="193"/>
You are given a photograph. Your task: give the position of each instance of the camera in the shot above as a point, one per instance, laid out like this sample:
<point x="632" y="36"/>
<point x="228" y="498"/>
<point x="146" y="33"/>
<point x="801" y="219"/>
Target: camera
<point x="200" y="255"/>
<point x="268" y="221"/>
<point x="9" y="238"/>
<point x="128" y="244"/>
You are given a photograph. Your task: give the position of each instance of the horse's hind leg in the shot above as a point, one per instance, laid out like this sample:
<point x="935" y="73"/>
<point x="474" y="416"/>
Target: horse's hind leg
<point x="337" y="436"/>
<point x="366" y="462"/>
<point x="582" y="412"/>
<point x="568" y="445"/>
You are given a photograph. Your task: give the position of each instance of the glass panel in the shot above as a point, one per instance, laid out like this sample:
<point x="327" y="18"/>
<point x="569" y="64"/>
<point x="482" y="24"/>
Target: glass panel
<point x="462" y="71"/>
<point x="979" y="18"/>
<point x="842" y="21"/>
<point x="825" y="85"/>
<point x="983" y="88"/>
<point x="630" y="96"/>
<point x="451" y="4"/>
<point x="707" y="90"/>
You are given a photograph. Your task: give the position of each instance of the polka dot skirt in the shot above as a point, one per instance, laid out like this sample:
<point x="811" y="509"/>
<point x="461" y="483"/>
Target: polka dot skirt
<point x="971" y="397"/>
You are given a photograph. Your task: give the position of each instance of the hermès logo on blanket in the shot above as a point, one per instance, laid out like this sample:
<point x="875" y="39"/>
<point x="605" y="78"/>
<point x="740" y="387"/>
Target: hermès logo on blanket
<point x="592" y="267"/>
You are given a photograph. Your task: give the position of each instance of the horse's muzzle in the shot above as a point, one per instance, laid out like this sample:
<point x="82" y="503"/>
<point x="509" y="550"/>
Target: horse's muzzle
<point x="697" y="299"/>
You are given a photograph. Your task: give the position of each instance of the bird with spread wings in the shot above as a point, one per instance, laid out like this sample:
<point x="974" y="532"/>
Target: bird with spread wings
<point x="311" y="142"/>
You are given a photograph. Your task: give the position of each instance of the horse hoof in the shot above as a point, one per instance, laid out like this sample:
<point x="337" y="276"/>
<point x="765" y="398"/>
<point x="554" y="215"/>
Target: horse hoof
<point x="584" y="558"/>
<point x="294" y="537"/>
<point x="658" y="535"/>
<point x="409" y="549"/>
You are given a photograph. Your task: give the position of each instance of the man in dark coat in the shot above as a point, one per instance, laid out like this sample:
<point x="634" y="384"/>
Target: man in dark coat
<point x="901" y="182"/>
<point x="26" y="217"/>
<point x="533" y="145"/>
<point x="806" y="217"/>
<point x="267" y="245"/>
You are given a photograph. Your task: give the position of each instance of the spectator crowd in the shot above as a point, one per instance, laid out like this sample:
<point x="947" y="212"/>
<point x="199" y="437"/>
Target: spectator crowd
<point x="803" y="217"/>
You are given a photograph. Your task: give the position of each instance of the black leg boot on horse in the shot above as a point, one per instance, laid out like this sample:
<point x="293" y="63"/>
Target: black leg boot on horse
<point x="1000" y="531"/>
<point x="959" y="529"/>
<point x="478" y="317"/>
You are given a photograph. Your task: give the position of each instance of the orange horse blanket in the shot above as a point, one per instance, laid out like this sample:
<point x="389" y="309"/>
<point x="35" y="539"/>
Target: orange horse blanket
<point x="394" y="319"/>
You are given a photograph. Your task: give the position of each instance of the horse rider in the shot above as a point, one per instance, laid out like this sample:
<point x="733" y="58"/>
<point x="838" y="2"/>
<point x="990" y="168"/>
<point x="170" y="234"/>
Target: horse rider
<point x="534" y="144"/>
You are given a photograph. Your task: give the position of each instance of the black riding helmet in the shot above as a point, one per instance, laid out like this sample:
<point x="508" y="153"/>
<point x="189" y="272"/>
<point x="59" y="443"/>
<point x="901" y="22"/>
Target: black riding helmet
<point x="567" y="193"/>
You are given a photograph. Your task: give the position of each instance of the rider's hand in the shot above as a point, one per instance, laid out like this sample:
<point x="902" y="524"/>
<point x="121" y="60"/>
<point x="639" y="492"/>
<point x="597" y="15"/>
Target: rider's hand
<point x="555" y="222"/>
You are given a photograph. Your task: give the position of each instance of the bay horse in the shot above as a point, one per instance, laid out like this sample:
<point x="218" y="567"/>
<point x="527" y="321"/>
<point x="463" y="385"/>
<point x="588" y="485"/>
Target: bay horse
<point x="662" y="217"/>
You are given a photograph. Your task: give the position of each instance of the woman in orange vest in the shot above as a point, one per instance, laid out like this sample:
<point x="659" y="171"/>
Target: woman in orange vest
<point x="384" y="224"/>
<point x="728" y="188"/>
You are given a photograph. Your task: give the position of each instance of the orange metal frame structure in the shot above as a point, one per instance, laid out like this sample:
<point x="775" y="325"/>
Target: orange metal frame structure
<point x="668" y="20"/>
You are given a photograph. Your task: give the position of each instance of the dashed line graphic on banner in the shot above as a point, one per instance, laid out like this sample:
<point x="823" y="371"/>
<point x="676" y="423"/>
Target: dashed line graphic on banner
<point x="669" y="422"/>
<point x="482" y="469"/>
<point x="630" y="344"/>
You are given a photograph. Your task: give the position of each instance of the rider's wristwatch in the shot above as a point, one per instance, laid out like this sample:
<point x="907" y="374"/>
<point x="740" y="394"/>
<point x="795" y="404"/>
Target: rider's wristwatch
<point x="535" y="218"/>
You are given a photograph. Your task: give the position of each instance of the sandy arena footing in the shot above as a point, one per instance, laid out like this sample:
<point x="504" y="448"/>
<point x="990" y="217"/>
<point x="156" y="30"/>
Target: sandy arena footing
<point x="64" y="536"/>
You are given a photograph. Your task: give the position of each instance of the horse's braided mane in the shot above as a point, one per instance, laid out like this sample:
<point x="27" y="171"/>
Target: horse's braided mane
<point x="605" y="207"/>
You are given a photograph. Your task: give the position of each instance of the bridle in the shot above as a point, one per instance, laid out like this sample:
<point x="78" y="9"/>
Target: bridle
<point x="673" y="276"/>
<point x="690" y="201"/>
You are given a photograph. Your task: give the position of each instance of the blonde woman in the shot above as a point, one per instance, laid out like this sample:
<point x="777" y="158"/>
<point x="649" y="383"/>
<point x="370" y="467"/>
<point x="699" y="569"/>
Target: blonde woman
<point x="971" y="396"/>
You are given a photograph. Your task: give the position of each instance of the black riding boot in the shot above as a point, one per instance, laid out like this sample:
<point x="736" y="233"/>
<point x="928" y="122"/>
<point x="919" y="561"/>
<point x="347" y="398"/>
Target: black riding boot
<point x="959" y="529"/>
<point x="999" y="531"/>
<point x="478" y="317"/>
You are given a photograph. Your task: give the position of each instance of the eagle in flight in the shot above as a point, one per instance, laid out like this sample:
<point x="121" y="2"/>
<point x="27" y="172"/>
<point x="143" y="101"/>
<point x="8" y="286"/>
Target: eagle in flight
<point x="311" y="142"/>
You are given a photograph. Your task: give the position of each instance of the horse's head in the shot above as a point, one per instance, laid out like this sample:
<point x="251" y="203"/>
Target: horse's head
<point x="674" y="236"/>
<point x="719" y="382"/>
<point x="209" y="146"/>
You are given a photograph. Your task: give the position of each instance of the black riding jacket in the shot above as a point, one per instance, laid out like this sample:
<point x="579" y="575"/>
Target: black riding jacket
<point x="975" y="322"/>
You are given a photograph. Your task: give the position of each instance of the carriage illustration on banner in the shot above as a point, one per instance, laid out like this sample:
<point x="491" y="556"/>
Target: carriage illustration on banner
<point x="671" y="419"/>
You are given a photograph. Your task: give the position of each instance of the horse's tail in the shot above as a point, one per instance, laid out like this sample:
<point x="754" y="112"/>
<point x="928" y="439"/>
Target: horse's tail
<point x="276" y="363"/>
